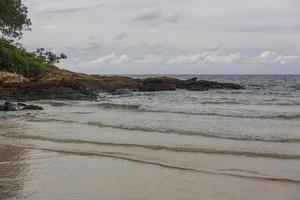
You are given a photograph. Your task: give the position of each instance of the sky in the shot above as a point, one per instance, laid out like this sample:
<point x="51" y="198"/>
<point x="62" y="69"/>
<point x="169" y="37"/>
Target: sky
<point x="169" y="36"/>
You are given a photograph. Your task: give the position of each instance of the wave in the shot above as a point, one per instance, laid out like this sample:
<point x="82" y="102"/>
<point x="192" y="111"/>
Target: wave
<point x="226" y="113"/>
<point x="54" y="103"/>
<point x="221" y="102"/>
<point x="156" y="163"/>
<point x="212" y="112"/>
<point x="275" y="139"/>
<point x="160" y="147"/>
<point x="271" y="103"/>
<point x="117" y="106"/>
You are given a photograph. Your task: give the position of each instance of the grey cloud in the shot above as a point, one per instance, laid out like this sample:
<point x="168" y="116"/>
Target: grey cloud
<point x="69" y="10"/>
<point x="158" y="17"/>
<point x="120" y="36"/>
<point x="174" y="18"/>
<point x="93" y="46"/>
<point x="149" y="16"/>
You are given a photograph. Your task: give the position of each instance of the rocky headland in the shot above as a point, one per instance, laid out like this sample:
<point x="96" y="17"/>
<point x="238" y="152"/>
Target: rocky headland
<point x="67" y="85"/>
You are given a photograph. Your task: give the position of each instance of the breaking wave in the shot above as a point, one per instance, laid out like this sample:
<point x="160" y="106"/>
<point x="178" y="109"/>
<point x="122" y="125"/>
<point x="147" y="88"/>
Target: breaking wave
<point x="211" y="112"/>
<point x="176" y="131"/>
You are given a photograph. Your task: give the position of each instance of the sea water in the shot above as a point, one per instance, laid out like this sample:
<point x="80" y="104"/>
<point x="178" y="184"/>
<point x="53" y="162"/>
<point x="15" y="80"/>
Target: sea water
<point x="218" y="144"/>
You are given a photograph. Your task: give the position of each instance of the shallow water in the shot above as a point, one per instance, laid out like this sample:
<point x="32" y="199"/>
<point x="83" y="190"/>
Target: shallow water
<point x="161" y="145"/>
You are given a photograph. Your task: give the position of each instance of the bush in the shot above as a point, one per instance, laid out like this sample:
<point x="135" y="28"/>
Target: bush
<point x="14" y="58"/>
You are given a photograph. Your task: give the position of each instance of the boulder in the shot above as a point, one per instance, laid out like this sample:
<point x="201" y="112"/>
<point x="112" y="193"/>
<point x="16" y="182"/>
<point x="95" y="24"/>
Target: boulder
<point x="32" y="107"/>
<point x="9" y="106"/>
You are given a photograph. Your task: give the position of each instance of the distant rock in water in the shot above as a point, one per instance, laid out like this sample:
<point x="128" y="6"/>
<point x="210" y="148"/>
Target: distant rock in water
<point x="166" y="83"/>
<point x="63" y="84"/>
<point x="10" y="106"/>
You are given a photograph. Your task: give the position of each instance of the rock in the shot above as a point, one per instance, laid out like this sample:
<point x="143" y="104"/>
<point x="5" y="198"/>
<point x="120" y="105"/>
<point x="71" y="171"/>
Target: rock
<point x="202" y="85"/>
<point x="122" y="92"/>
<point x="8" y="106"/>
<point x="191" y="80"/>
<point x="22" y="104"/>
<point x="8" y="78"/>
<point x="32" y="107"/>
<point x="157" y="87"/>
<point x="66" y="85"/>
<point x="159" y="84"/>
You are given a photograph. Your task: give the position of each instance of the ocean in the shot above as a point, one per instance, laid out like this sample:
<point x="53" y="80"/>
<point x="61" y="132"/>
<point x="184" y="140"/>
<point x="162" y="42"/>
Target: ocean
<point x="218" y="144"/>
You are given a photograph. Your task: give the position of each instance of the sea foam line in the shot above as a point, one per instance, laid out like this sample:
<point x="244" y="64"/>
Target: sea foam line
<point x="159" y="147"/>
<point x="272" y="139"/>
<point x="155" y="163"/>
<point x="140" y="108"/>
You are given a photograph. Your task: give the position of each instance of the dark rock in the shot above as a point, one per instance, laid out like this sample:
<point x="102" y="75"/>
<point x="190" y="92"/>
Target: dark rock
<point x="191" y="80"/>
<point x="159" y="84"/>
<point x="122" y="92"/>
<point x="157" y="87"/>
<point x="202" y="85"/>
<point x="8" y="106"/>
<point x="32" y="107"/>
<point x="22" y="104"/>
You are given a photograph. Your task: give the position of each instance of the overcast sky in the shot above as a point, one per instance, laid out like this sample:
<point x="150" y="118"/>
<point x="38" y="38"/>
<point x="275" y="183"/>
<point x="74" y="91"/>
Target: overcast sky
<point x="169" y="36"/>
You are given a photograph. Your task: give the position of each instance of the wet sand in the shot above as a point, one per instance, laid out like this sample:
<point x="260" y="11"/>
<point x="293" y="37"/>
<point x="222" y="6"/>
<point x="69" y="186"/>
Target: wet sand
<point x="39" y="174"/>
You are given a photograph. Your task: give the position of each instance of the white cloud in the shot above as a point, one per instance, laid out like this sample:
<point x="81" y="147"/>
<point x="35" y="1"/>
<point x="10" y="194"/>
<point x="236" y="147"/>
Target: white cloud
<point x="185" y="59"/>
<point x="121" y="59"/>
<point x="217" y="58"/>
<point x="271" y="57"/>
<point x="206" y="57"/>
<point x="112" y="59"/>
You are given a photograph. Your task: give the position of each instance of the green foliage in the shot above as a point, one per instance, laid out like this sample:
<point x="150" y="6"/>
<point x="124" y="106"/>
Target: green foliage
<point x="13" y="18"/>
<point x="14" y="58"/>
<point x="49" y="57"/>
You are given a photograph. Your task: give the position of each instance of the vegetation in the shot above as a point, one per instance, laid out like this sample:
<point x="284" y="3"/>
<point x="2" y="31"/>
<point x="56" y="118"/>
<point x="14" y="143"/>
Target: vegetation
<point x="13" y="57"/>
<point x="13" y="18"/>
<point x="49" y="57"/>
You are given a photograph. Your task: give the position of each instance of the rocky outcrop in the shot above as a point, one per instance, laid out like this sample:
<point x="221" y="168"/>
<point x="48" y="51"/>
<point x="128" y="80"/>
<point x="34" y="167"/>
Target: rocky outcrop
<point x="63" y="84"/>
<point x="8" y="78"/>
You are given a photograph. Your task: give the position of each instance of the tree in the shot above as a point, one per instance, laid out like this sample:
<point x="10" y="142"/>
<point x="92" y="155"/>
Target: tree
<point x="49" y="57"/>
<point x="13" y="18"/>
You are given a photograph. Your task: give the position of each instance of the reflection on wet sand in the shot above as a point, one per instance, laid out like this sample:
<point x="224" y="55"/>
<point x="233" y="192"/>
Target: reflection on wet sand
<point x="13" y="170"/>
